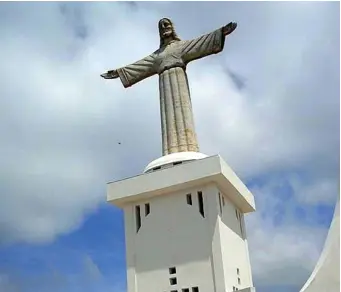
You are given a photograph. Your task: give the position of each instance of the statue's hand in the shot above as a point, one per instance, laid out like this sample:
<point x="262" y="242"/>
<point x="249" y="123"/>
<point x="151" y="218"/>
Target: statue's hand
<point x="111" y="74"/>
<point x="229" y="28"/>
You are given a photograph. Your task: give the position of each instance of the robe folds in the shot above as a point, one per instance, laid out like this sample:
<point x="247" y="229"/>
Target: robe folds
<point x="169" y="62"/>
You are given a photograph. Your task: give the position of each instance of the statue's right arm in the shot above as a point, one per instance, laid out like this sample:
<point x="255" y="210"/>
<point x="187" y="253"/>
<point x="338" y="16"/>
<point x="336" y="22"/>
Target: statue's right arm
<point x="111" y="74"/>
<point x="133" y="73"/>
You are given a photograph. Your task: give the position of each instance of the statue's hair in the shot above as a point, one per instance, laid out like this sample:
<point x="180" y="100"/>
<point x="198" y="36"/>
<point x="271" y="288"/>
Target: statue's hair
<point x="174" y="35"/>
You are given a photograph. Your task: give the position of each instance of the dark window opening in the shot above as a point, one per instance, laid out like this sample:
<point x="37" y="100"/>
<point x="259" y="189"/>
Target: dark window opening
<point x="185" y="290"/>
<point x="237" y="271"/>
<point x="174" y="291"/>
<point x="147" y="209"/>
<point x="177" y="163"/>
<point x="157" y="168"/>
<point x="172" y="270"/>
<point x="201" y="204"/>
<point x="238" y="281"/>
<point x="241" y="224"/>
<point x="221" y="209"/>
<point x="138" y="217"/>
<point x="237" y="214"/>
<point x="195" y="289"/>
<point x="189" y="199"/>
<point x="223" y="200"/>
<point x="173" y="281"/>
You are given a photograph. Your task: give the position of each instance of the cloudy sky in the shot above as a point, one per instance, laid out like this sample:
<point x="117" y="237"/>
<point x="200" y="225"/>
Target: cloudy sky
<point x="269" y="104"/>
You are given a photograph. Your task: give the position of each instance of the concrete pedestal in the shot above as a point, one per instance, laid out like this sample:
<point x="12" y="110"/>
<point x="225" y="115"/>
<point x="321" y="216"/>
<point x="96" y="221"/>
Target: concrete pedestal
<point x="184" y="227"/>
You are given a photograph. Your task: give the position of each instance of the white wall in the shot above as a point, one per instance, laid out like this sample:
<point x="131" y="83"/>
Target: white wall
<point x="234" y="247"/>
<point x="175" y="234"/>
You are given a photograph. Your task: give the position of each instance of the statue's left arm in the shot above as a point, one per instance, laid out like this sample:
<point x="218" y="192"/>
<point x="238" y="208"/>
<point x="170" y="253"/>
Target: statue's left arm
<point x="208" y="44"/>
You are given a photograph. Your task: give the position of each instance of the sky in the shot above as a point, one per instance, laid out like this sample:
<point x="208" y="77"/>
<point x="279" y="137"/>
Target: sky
<point x="268" y="104"/>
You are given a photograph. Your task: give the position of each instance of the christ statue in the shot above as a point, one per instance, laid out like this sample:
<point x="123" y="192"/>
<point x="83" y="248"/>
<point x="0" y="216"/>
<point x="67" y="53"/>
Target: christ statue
<point x="169" y="62"/>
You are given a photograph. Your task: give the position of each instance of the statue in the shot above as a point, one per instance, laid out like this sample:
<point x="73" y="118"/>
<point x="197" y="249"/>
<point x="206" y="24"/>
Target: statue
<point x="169" y="62"/>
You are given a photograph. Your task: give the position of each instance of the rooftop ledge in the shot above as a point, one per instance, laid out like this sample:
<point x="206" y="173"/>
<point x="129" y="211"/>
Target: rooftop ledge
<point x="180" y="177"/>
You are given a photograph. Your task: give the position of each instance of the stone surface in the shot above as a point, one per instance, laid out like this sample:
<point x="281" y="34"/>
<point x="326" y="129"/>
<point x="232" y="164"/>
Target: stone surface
<point x="169" y="62"/>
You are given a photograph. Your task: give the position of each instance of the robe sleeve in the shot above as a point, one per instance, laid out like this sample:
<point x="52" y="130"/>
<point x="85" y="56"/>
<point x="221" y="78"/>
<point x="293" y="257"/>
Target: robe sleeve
<point x="137" y="71"/>
<point x="203" y="46"/>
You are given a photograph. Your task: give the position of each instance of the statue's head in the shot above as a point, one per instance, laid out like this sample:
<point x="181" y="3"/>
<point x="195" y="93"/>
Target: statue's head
<point x="167" y="31"/>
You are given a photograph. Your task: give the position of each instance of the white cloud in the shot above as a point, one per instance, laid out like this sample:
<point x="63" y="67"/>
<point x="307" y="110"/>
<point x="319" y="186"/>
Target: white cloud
<point x="61" y="123"/>
<point x="323" y="191"/>
<point x="283" y="250"/>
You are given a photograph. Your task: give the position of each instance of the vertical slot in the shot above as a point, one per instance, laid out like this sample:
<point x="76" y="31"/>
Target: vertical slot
<point x="138" y="217"/>
<point x="201" y="204"/>
<point x="147" y="209"/>
<point x="221" y="208"/>
<point x="189" y="199"/>
<point x="241" y="224"/>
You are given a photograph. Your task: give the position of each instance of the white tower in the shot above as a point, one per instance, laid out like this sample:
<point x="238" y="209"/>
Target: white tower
<point x="184" y="226"/>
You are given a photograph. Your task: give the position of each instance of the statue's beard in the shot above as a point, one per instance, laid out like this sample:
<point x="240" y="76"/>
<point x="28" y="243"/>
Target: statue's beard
<point x="167" y="33"/>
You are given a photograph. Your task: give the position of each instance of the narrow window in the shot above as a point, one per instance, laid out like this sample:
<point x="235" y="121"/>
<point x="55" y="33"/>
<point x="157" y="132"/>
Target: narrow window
<point x="147" y="209"/>
<point x="189" y="199"/>
<point x="223" y="200"/>
<point x="238" y="281"/>
<point x="177" y="163"/>
<point x="174" y="291"/>
<point x="237" y="271"/>
<point x="173" y="281"/>
<point x="185" y="290"/>
<point x="237" y="214"/>
<point x="138" y="217"/>
<point x="172" y="270"/>
<point x="234" y="288"/>
<point x="221" y="209"/>
<point x="157" y="168"/>
<point x="241" y="224"/>
<point x="195" y="289"/>
<point x="201" y="204"/>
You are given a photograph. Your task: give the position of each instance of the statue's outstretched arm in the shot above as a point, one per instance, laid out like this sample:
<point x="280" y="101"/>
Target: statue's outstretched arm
<point x="208" y="44"/>
<point x="111" y="74"/>
<point x="229" y="28"/>
<point x="133" y="73"/>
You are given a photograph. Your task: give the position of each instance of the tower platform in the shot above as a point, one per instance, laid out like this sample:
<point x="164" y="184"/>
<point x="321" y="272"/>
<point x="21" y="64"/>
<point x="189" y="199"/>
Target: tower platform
<point x="184" y="226"/>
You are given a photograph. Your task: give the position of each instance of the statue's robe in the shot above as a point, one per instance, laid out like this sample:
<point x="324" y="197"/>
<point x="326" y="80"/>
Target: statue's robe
<point x="178" y="132"/>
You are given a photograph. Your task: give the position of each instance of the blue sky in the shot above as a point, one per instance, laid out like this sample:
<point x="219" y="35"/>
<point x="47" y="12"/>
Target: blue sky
<point x="269" y="106"/>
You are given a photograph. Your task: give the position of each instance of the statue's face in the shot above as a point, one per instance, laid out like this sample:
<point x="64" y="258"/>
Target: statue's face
<point x="166" y="28"/>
